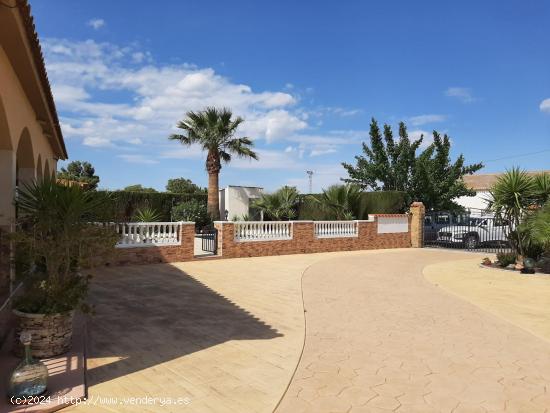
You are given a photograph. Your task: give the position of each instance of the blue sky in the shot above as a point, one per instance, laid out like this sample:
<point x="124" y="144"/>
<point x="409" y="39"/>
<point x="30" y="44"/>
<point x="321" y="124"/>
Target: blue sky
<point x="307" y="77"/>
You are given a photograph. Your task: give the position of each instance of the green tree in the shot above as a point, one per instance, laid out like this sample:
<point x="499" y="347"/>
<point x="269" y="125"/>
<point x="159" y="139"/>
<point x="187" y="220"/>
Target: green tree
<point x="183" y="186"/>
<point x="138" y="188"/>
<point x="429" y="176"/>
<point x="436" y="179"/>
<point x="214" y="130"/>
<point x="80" y="171"/>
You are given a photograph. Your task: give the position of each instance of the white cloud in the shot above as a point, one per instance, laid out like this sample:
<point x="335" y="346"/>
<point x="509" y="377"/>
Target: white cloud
<point x="269" y="159"/>
<point x="141" y="159"/>
<point x="323" y="150"/>
<point x="461" y="93"/>
<point x="424" y="119"/>
<point x="96" y="23"/>
<point x="545" y="105"/>
<point x="160" y="95"/>
<point x="97" y="142"/>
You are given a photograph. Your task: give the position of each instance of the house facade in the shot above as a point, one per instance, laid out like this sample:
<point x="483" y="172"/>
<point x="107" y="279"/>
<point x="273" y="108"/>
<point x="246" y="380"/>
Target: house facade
<point x="31" y="142"/>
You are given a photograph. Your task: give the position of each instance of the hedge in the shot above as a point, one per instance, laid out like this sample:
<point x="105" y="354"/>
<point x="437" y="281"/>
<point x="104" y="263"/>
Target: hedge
<point x="380" y="202"/>
<point x="120" y="206"/>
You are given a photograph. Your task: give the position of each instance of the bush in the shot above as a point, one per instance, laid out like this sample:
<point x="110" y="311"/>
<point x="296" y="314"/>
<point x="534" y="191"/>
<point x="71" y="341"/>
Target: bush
<point x="194" y="211"/>
<point x="506" y="258"/>
<point x="123" y="205"/>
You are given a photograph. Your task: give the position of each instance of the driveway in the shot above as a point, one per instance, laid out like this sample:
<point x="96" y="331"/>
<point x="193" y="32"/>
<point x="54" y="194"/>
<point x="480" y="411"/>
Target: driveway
<point x="380" y="338"/>
<point x="228" y="335"/>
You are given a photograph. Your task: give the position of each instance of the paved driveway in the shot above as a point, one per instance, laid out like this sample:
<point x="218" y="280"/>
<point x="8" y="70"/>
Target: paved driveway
<point x="380" y="338"/>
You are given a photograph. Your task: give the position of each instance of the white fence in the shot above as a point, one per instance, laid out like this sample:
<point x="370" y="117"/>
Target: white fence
<point x="147" y="234"/>
<point x="263" y="230"/>
<point x="336" y="229"/>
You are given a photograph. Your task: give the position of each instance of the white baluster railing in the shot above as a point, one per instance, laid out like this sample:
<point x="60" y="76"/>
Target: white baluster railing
<point x="335" y="229"/>
<point x="263" y="230"/>
<point x="144" y="234"/>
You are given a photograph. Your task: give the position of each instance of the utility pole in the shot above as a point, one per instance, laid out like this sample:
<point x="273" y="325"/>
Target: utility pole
<point x="310" y="177"/>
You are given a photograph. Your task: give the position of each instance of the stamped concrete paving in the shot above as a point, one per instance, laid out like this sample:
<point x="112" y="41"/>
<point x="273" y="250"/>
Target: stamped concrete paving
<point x="223" y="335"/>
<point x="381" y="338"/>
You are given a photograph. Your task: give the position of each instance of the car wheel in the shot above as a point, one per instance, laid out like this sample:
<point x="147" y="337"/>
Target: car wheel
<point x="470" y="242"/>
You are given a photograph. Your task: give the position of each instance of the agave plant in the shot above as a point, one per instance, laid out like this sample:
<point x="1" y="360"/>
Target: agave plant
<point x="147" y="214"/>
<point x="341" y="202"/>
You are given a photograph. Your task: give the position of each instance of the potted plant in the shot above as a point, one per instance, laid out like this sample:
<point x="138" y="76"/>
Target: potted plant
<point x="55" y="241"/>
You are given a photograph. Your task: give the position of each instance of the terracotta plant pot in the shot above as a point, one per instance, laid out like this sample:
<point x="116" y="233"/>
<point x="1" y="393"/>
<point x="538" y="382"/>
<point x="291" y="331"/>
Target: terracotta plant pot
<point x="51" y="333"/>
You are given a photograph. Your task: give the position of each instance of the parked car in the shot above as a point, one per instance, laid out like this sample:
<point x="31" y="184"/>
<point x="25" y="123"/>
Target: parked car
<point x="475" y="231"/>
<point x="433" y="222"/>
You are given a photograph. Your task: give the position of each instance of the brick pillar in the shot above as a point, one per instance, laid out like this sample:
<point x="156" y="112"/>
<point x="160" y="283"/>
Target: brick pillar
<point x="187" y="234"/>
<point x="417" y="224"/>
<point x="219" y="225"/>
<point x="303" y="237"/>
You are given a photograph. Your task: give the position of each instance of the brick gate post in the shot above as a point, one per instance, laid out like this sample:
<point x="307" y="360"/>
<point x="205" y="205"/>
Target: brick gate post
<point x="417" y="224"/>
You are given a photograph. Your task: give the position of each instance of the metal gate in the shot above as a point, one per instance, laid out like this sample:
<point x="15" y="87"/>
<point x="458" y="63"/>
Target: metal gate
<point x="466" y="231"/>
<point x="210" y="240"/>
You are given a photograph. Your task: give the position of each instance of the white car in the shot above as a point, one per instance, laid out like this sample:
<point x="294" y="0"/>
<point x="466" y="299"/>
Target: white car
<point x="475" y="232"/>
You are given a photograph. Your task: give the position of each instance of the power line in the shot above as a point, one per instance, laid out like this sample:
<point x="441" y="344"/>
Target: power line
<point x="517" y="156"/>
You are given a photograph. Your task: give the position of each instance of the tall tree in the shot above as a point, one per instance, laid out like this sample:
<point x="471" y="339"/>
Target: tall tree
<point x="385" y="165"/>
<point x="80" y="171"/>
<point x="183" y="186"/>
<point x="138" y="188"/>
<point x="214" y="130"/>
<point x="429" y="176"/>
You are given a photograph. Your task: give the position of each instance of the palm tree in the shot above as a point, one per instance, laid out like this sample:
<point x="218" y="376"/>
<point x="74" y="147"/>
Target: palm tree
<point x="280" y="205"/>
<point x="341" y="202"/>
<point x="214" y="130"/>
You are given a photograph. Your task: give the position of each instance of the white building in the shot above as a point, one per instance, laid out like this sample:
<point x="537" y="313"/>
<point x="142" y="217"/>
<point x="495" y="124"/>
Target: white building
<point x="482" y="183"/>
<point x="237" y="201"/>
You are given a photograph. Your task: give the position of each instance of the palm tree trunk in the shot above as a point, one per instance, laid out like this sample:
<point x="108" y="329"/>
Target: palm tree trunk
<point x="213" y="206"/>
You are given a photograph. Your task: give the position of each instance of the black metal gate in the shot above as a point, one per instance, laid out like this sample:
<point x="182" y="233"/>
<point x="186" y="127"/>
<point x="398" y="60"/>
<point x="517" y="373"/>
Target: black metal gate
<point x="210" y="240"/>
<point x="466" y="231"/>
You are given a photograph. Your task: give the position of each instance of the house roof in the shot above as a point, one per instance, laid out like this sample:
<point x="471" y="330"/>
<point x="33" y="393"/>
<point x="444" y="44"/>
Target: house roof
<point x="22" y="17"/>
<point x="484" y="182"/>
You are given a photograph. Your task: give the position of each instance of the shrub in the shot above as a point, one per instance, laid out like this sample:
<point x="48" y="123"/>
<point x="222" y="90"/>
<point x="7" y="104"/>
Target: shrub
<point x="506" y="258"/>
<point x="194" y="211"/>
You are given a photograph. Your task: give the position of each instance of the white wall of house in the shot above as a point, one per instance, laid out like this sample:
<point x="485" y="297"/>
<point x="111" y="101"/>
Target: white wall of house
<point x="477" y="202"/>
<point x="236" y="200"/>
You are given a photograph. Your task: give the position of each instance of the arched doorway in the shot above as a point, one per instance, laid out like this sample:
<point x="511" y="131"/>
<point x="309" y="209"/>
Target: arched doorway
<point x="26" y="171"/>
<point x="47" y="172"/>
<point x="39" y="168"/>
<point x="7" y="171"/>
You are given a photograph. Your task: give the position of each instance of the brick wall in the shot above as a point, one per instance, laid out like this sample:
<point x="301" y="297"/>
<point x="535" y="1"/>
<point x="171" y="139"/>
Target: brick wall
<point x="154" y="255"/>
<point x="304" y="241"/>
